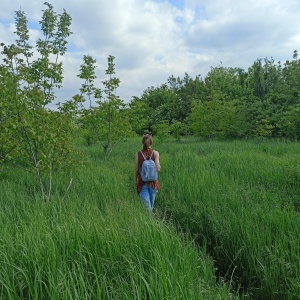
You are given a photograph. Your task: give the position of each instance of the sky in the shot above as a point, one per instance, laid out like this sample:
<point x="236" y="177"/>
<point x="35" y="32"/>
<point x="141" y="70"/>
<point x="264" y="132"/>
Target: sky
<point x="152" y="40"/>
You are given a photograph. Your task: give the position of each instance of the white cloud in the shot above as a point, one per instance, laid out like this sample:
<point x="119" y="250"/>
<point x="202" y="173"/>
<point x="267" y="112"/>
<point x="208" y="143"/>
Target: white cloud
<point x="252" y="30"/>
<point x="153" y="39"/>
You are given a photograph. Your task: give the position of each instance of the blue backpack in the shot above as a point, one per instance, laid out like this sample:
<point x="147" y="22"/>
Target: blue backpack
<point x="148" y="170"/>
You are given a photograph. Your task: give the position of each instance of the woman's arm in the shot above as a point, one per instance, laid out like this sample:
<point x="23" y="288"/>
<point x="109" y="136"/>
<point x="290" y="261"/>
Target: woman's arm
<point x="156" y="160"/>
<point x="136" y="168"/>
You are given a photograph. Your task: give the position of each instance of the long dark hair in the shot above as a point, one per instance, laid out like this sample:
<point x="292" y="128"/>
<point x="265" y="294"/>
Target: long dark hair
<point x="147" y="141"/>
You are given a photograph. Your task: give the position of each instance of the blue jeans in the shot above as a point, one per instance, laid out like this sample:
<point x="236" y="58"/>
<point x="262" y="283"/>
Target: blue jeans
<point x="147" y="196"/>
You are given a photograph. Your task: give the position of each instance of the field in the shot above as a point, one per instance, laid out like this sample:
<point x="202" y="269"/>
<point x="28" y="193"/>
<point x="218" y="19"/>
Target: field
<point x="225" y="226"/>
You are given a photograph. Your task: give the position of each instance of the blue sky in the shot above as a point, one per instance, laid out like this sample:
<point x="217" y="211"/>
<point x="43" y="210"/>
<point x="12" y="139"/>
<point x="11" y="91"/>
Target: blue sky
<point x="154" y="39"/>
<point x="177" y="3"/>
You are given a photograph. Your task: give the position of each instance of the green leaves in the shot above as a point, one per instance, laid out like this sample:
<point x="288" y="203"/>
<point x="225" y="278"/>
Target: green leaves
<point x="107" y="122"/>
<point x="229" y="102"/>
<point x="36" y="138"/>
<point x="212" y="119"/>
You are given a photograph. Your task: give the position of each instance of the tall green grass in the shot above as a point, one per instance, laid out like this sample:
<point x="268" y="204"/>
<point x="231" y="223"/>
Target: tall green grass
<point x="97" y="243"/>
<point x="238" y="201"/>
<point x="241" y="200"/>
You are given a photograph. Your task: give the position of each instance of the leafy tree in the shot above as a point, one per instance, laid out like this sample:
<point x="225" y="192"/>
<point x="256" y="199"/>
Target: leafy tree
<point x="189" y="90"/>
<point x="263" y="129"/>
<point x="163" y="102"/>
<point x="212" y="119"/>
<point x="225" y="84"/>
<point x="176" y="129"/>
<point x="256" y="79"/>
<point x="39" y="139"/>
<point x="289" y="123"/>
<point x="7" y="116"/>
<point x="230" y="102"/>
<point x="88" y="93"/>
<point x="162" y="130"/>
<point x="291" y="79"/>
<point x="107" y="122"/>
<point x="139" y="116"/>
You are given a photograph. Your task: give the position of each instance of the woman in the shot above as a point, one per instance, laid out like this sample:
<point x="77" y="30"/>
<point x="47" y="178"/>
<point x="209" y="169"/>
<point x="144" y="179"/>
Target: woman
<point x="146" y="190"/>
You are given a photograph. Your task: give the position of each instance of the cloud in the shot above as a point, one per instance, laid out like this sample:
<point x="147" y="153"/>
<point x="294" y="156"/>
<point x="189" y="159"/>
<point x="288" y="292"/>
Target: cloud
<point x="237" y="29"/>
<point x="154" y="39"/>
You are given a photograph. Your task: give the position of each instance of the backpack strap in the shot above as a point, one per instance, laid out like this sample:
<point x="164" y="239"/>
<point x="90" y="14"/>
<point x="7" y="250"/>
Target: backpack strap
<point x="143" y="155"/>
<point x="150" y="157"/>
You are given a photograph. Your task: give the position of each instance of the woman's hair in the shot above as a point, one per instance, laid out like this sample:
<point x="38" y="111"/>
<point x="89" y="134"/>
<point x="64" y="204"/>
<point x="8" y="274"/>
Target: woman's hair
<point x="147" y="141"/>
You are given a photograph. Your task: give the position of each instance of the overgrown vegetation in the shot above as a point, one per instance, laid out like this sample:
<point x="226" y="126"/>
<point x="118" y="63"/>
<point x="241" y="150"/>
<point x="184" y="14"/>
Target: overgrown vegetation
<point x="31" y="135"/>
<point x="229" y="103"/>
<point x="98" y="243"/>
<point x="107" y="122"/>
<point x="238" y="201"/>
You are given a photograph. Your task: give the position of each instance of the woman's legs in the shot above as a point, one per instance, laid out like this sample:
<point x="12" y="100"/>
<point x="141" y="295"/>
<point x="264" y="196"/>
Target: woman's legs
<point x="147" y="196"/>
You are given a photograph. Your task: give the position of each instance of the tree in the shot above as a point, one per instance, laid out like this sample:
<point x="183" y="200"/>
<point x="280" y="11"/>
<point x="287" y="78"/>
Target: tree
<point x="40" y="139"/>
<point x="139" y="116"/>
<point x="289" y="123"/>
<point x="162" y="130"/>
<point x="108" y="121"/>
<point x="213" y="119"/>
<point x="257" y="79"/>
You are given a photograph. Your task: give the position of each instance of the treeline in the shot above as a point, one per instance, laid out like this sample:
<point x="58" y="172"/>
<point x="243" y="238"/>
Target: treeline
<point x="228" y="103"/>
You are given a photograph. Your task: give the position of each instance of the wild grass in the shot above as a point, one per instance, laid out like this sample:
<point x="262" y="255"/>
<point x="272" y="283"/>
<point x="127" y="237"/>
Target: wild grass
<point x="240" y="200"/>
<point x="97" y="243"/>
<point x="227" y="212"/>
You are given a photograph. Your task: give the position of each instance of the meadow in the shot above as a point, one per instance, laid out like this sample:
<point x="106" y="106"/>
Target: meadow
<point x="225" y="226"/>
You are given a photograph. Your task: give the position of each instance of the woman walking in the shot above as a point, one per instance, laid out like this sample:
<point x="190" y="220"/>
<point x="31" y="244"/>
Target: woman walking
<point x="146" y="189"/>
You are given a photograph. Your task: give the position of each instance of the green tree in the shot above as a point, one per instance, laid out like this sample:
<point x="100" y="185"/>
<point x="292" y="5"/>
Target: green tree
<point x="40" y="139"/>
<point x="289" y="123"/>
<point x="256" y="79"/>
<point x="213" y="119"/>
<point x="176" y="129"/>
<point x="107" y="122"/>
<point x="139" y="118"/>
<point x="7" y="116"/>
<point x="162" y="130"/>
<point x="188" y="90"/>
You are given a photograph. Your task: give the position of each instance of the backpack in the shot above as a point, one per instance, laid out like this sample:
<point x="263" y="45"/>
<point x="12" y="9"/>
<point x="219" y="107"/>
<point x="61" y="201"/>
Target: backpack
<point x="148" y="169"/>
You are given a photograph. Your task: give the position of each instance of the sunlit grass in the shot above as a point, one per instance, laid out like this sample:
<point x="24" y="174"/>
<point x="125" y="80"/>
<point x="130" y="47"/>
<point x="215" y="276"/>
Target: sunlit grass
<point x="241" y="200"/>
<point x="97" y="243"/>
<point x="237" y="202"/>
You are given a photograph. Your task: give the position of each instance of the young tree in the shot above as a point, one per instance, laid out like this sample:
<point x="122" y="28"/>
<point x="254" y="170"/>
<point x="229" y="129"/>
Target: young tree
<point x="108" y="121"/>
<point x="139" y="116"/>
<point x="39" y="138"/>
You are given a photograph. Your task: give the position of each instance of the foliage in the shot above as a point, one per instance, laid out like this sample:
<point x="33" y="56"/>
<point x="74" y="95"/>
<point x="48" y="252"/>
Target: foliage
<point x="230" y="102"/>
<point x="162" y="130"/>
<point x="213" y="119"/>
<point x="108" y="122"/>
<point x="139" y="116"/>
<point x="35" y="137"/>
<point x="176" y="129"/>
<point x="289" y="123"/>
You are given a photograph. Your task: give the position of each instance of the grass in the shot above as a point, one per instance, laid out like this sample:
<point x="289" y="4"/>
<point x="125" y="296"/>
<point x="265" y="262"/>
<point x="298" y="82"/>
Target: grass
<point x="241" y="200"/>
<point x="226" y="218"/>
<point x="98" y="243"/>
